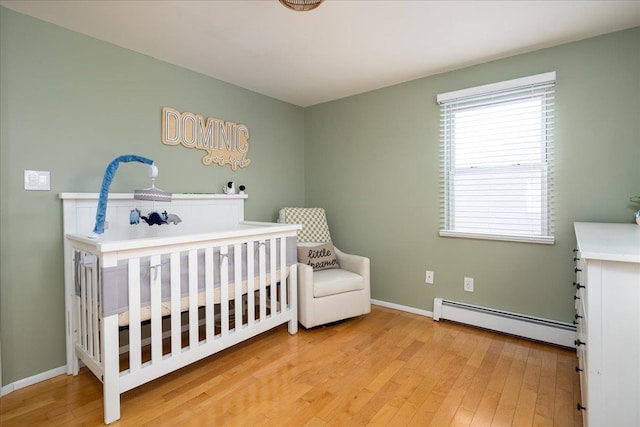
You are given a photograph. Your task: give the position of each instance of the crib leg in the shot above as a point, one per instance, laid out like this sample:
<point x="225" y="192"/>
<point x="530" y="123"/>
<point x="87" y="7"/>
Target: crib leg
<point x="111" y="374"/>
<point x="293" y="326"/>
<point x="293" y="299"/>
<point x="73" y="363"/>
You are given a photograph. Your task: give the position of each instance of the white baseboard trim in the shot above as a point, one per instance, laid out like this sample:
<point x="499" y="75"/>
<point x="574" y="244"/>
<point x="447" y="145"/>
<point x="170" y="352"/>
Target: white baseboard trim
<point x="522" y="325"/>
<point x="402" y="308"/>
<point x="25" y="382"/>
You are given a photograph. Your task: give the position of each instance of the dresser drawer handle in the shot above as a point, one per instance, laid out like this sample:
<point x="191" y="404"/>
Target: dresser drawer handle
<point x="578" y="343"/>
<point x="578" y="369"/>
<point x="578" y="285"/>
<point x="575" y="297"/>
<point x="577" y="269"/>
<point x="575" y="322"/>
<point x="577" y="316"/>
<point x="579" y="407"/>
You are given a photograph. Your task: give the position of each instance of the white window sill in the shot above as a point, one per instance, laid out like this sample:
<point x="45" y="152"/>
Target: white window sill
<point x="545" y="240"/>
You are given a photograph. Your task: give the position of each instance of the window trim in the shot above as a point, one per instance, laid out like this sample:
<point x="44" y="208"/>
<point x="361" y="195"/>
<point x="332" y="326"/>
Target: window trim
<point x="497" y="87"/>
<point x="478" y="91"/>
<point x="547" y="240"/>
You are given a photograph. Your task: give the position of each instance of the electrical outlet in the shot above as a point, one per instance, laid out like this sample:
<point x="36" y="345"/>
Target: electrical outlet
<point x="468" y="284"/>
<point x="428" y="277"/>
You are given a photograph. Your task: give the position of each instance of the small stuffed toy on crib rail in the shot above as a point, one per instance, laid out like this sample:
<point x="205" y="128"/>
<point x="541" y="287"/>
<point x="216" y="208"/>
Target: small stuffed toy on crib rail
<point x="153" y="218"/>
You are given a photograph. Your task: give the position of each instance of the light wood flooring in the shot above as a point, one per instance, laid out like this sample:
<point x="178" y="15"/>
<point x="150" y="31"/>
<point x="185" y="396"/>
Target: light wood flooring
<point x="388" y="368"/>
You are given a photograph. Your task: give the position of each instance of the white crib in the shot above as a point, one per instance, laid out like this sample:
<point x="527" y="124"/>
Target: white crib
<point x="143" y="301"/>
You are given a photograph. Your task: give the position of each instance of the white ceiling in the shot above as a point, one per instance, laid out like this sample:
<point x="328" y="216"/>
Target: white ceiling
<point x="340" y="49"/>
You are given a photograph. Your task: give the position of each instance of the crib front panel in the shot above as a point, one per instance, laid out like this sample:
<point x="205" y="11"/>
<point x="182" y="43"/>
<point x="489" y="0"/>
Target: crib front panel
<point x="175" y="330"/>
<point x="171" y="322"/>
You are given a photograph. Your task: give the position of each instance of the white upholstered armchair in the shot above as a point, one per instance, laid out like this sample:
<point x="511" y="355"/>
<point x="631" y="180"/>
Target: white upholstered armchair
<point x="332" y="285"/>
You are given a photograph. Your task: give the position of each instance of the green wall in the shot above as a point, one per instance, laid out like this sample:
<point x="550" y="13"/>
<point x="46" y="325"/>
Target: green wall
<point x="70" y="104"/>
<point x="372" y="161"/>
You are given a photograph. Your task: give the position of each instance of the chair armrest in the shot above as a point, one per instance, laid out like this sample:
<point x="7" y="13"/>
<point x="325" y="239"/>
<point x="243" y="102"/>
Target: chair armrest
<point x="305" y="273"/>
<point x="354" y="263"/>
<point x="305" y="281"/>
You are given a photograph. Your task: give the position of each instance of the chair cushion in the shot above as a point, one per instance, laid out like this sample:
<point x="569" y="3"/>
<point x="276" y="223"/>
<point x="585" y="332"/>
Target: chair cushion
<point x="320" y="257"/>
<point x="335" y="281"/>
<point x="313" y="220"/>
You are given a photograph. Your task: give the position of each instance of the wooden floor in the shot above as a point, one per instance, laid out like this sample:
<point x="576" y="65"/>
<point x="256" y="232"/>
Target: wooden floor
<point x="387" y="368"/>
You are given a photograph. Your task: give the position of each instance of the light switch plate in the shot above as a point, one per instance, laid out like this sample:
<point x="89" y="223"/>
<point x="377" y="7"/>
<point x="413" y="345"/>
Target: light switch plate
<point x="37" y="180"/>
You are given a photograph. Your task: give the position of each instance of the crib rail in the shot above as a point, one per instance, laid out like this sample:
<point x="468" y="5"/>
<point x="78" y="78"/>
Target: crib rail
<point x="178" y="329"/>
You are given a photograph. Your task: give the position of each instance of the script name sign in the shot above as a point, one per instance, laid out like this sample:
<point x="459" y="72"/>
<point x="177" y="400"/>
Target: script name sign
<point x="225" y="143"/>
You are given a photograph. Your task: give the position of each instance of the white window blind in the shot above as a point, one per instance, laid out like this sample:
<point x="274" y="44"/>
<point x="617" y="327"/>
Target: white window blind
<point x="496" y="177"/>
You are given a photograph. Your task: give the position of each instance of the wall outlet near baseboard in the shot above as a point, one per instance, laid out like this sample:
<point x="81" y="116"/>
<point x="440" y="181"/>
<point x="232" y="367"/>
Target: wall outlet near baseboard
<point x="468" y="284"/>
<point x="428" y="277"/>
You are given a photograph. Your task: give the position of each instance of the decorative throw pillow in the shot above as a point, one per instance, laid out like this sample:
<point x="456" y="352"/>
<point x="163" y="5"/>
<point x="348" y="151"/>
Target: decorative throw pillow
<point x="321" y="257"/>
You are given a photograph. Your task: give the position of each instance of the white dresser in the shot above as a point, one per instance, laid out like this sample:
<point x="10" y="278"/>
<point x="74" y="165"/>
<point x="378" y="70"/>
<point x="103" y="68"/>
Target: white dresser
<point x="608" y="322"/>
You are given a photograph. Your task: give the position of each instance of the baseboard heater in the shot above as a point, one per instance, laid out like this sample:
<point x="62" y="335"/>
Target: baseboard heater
<point x="551" y="331"/>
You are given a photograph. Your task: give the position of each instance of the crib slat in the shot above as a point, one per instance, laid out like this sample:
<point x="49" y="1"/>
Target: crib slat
<point x="90" y="313"/>
<point x="262" y="279"/>
<point x="224" y="290"/>
<point x="292" y="284"/>
<point x="135" y="353"/>
<point x="251" y="314"/>
<point x="209" y="300"/>
<point x="86" y="303"/>
<point x="193" y="298"/>
<point x="176" y="321"/>
<point x="111" y="376"/>
<point x="76" y="316"/>
<point x="156" y="309"/>
<point x="82" y="327"/>
<point x="237" y="255"/>
<point x="272" y="262"/>
<point x="94" y="312"/>
<point x="87" y="332"/>
<point x="283" y="272"/>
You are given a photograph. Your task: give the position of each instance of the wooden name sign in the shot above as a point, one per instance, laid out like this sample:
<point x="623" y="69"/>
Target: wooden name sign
<point x="225" y="143"/>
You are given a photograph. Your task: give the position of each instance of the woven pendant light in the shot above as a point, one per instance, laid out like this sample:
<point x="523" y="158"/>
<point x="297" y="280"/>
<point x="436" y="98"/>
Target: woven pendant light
<point x="301" y="5"/>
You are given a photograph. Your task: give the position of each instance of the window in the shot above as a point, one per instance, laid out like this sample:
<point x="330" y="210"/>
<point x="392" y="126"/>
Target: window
<point x="497" y="160"/>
